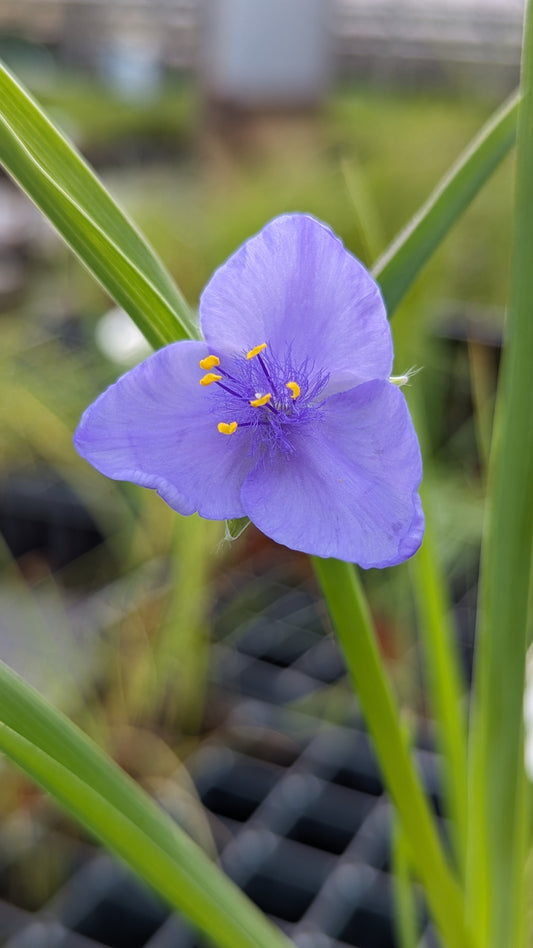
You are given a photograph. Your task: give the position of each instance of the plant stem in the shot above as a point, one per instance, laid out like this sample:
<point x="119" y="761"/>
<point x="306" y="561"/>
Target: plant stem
<point x="353" y="623"/>
<point x="446" y="688"/>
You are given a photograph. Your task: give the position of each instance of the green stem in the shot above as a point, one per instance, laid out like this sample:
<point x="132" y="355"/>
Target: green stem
<point x="353" y="623"/>
<point x="498" y="811"/>
<point x="446" y="688"/>
<point x="405" y="908"/>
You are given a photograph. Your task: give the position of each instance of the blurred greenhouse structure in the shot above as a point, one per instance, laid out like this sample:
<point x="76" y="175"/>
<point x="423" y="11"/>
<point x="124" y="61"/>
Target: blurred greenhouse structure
<point x="375" y="34"/>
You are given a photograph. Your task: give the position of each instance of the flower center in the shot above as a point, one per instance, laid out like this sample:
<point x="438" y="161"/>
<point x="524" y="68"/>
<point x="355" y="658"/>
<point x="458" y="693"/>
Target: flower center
<point x="262" y="393"/>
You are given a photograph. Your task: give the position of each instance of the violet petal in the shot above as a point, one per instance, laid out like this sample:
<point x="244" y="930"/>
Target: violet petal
<point x="349" y="490"/>
<point x="157" y="427"/>
<point x="295" y="287"/>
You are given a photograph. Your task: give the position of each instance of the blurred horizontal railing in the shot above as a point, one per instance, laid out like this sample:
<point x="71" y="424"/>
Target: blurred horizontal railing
<point x="482" y="31"/>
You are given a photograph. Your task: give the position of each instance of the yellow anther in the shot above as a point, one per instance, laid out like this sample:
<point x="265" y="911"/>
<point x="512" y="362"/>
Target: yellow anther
<point x="262" y="400"/>
<point x="209" y="362"/>
<point x="224" y="428"/>
<point x="254" y="352"/>
<point x="210" y="378"/>
<point x="294" y="389"/>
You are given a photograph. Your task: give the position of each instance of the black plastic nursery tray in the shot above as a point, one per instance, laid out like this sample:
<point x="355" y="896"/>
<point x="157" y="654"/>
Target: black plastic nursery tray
<point x="301" y="823"/>
<point x="296" y="807"/>
<point x="270" y="639"/>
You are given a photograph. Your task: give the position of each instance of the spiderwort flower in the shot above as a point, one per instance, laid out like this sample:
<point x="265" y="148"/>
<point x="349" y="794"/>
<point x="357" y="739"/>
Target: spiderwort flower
<point x="285" y="414"/>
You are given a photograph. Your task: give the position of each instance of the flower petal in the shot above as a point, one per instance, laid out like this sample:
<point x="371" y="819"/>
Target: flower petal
<point x="156" y="427"/>
<point x="415" y="534"/>
<point x="349" y="490"/>
<point x="295" y="287"/>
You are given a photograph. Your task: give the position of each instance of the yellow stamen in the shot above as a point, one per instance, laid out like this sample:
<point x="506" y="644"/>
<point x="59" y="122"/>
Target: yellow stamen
<point x="262" y="400"/>
<point x="210" y="378"/>
<point x="294" y="389"/>
<point x="254" y="352"/>
<point x="209" y="362"/>
<point x="226" y="429"/>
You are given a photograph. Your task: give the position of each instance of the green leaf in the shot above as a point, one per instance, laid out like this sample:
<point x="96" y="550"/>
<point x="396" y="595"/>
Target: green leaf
<point x="498" y="815"/>
<point x="58" y="756"/>
<point x="398" y="267"/>
<point x="65" y="189"/>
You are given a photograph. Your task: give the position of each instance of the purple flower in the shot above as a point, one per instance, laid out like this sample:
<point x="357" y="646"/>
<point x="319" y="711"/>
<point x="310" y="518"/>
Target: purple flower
<point x="285" y="413"/>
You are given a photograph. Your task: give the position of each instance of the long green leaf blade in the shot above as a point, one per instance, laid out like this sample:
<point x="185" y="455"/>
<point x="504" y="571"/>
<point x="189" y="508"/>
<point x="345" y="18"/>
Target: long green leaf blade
<point x="397" y="269"/>
<point x="498" y="813"/>
<point x="63" y="186"/>
<point x="78" y="774"/>
<point x="113" y="270"/>
<point x="228" y="924"/>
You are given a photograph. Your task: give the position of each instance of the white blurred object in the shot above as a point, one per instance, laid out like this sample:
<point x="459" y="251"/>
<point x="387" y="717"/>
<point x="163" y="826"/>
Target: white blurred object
<point x="131" y="64"/>
<point x="120" y="340"/>
<point x="266" y="53"/>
